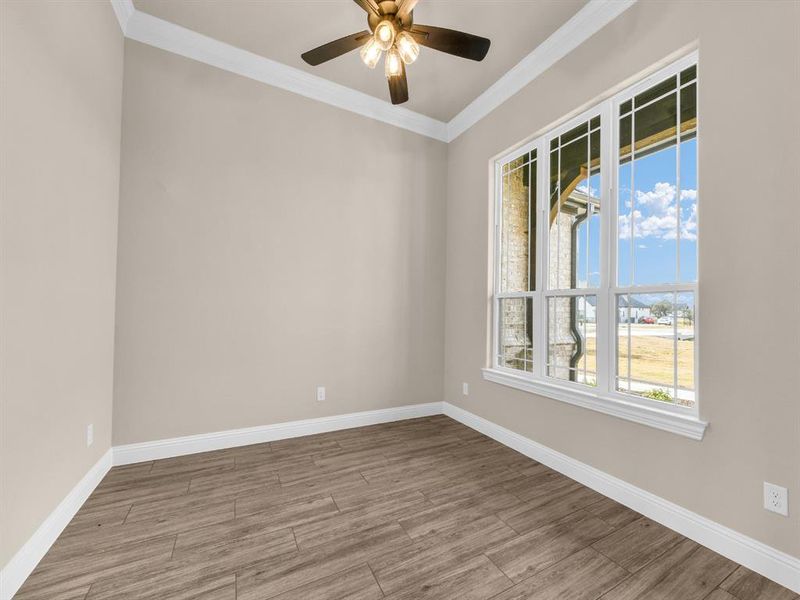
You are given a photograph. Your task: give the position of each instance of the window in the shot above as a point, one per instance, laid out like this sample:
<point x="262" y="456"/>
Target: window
<point x="573" y="253"/>
<point x="656" y="259"/>
<point x="517" y="268"/>
<point x="596" y="253"/>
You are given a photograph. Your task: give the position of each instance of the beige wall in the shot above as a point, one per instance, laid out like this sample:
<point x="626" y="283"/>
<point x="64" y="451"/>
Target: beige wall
<point x="60" y="112"/>
<point x="750" y="216"/>
<point x="269" y="243"/>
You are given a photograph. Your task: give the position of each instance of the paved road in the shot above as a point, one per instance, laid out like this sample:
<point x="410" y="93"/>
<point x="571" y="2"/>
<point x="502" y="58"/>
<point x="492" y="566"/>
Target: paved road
<point x="637" y="330"/>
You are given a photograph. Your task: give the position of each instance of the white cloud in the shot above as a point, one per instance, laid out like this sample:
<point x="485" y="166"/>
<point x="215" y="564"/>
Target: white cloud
<point x="658" y="216"/>
<point x="659" y="199"/>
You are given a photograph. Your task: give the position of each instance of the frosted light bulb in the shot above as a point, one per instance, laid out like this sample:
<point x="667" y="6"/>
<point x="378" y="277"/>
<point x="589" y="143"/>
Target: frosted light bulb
<point x="371" y="53"/>
<point x="384" y="34"/>
<point x="393" y="64"/>
<point x="407" y="47"/>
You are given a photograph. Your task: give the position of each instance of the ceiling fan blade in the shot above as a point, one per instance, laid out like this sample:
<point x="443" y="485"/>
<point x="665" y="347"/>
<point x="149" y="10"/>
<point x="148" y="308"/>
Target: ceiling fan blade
<point x="326" y="52"/>
<point x="398" y="87"/>
<point x="404" y="8"/>
<point x="369" y="5"/>
<point x="453" y="42"/>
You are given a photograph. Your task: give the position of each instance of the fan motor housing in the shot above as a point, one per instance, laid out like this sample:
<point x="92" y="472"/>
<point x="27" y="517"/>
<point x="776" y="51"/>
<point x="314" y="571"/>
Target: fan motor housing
<point x="389" y="10"/>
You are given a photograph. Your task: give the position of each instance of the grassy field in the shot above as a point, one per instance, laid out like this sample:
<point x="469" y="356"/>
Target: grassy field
<point x="651" y="359"/>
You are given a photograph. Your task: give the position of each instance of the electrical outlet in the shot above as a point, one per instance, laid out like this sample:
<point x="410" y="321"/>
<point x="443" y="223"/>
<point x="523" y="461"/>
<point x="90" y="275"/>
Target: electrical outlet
<point x="320" y="394"/>
<point x="465" y="388"/>
<point x="776" y="499"/>
<point x="89" y="435"/>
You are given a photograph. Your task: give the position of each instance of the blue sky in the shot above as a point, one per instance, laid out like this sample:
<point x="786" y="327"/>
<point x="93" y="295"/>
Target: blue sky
<point x="655" y="224"/>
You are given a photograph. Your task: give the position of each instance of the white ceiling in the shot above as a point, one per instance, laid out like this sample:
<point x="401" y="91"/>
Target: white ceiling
<point x="440" y="85"/>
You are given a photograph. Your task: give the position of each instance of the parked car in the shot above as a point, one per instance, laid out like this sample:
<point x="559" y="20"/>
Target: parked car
<point x="647" y="320"/>
<point x="665" y="320"/>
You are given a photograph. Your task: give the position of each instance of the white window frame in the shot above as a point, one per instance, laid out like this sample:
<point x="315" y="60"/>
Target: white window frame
<point x="603" y="397"/>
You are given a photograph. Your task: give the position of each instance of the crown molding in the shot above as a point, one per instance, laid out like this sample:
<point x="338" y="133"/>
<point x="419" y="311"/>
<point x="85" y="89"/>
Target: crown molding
<point x="162" y="34"/>
<point x="168" y="36"/>
<point x="595" y="15"/>
<point x="124" y="10"/>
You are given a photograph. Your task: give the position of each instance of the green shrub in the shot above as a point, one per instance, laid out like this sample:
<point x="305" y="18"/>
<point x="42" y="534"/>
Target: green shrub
<point x="660" y="395"/>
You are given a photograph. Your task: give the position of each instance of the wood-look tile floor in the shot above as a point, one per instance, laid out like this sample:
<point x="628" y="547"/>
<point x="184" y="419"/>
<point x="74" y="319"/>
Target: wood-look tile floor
<point x="419" y="509"/>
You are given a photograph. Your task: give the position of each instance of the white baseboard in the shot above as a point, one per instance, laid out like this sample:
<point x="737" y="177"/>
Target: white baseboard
<point x="14" y="574"/>
<point x="191" y="444"/>
<point x="25" y="560"/>
<point x="754" y="555"/>
<point x="759" y="557"/>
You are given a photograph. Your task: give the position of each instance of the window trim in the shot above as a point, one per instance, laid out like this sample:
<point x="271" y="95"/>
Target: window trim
<point x="603" y="397"/>
<point x="685" y="425"/>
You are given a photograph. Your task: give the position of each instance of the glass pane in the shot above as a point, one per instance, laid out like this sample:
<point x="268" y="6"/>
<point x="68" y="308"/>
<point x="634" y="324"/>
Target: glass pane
<point x="654" y="125"/>
<point x="688" y="110"/>
<point x="515" y="333"/>
<point x="518" y="228"/>
<point x="685" y="312"/>
<point x="624" y="204"/>
<point x="518" y="162"/>
<point x="623" y="340"/>
<point x="646" y="342"/>
<point x="688" y="225"/>
<point x="572" y="339"/>
<point x="689" y="74"/>
<point x="657" y="191"/>
<point x="574" y="133"/>
<point x="688" y="183"/>
<point x="574" y="216"/>
<point x="653" y="220"/>
<point x="593" y="218"/>
<point x="655" y="91"/>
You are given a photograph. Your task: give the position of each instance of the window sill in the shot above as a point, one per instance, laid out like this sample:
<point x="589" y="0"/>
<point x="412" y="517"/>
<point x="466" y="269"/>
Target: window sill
<point x="687" y="426"/>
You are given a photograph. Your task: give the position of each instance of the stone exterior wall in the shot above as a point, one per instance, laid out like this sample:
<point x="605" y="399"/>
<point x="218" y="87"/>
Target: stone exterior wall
<point x="516" y="314"/>
<point x="516" y="342"/>
<point x="560" y="343"/>
<point x="516" y="331"/>
<point x="514" y="263"/>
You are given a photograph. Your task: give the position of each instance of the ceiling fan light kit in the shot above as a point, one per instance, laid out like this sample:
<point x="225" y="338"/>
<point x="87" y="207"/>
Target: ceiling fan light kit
<point x="393" y="63"/>
<point x="384" y="34"/>
<point x="407" y="46"/>
<point x="392" y="30"/>
<point x="371" y="53"/>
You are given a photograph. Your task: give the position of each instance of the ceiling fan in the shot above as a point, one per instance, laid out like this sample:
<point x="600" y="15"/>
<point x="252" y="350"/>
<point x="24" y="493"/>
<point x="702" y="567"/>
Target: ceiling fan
<point x="392" y="30"/>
